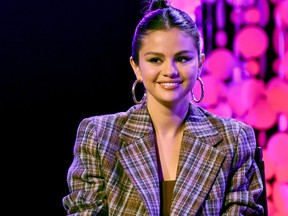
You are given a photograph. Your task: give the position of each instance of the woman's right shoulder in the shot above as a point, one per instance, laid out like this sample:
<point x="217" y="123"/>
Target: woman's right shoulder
<point x="107" y="120"/>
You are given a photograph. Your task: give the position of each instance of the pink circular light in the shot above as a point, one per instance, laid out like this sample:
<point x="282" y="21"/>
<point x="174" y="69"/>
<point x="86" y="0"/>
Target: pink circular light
<point x="241" y="3"/>
<point x="277" y="148"/>
<point x="187" y="6"/>
<point x="252" y="66"/>
<point x="252" y="16"/>
<point x="213" y="65"/>
<point x="279" y="67"/>
<point x="221" y="38"/>
<point x="281" y="15"/>
<point x="269" y="165"/>
<point x="275" y="1"/>
<point x="222" y="109"/>
<point x="251" y="41"/>
<point x="275" y="65"/>
<point x="280" y="197"/>
<point x="262" y="138"/>
<point x="212" y="88"/>
<point x="279" y="213"/>
<point x="283" y="66"/>
<point x="236" y="17"/>
<point x="283" y="122"/>
<point x="261" y="116"/>
<point x="271" y="207"/>
<point x="209" y="1"/>
<point x="268" y="189"/>
<point x="243" y="95"/>
<point x="264" y="8"/>
<point x="277" y="94"/>
<point x="280" y="45"/>
<point x="282" y="172"/>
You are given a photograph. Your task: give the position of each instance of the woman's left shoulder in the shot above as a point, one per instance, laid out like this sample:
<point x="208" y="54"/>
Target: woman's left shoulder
<point x="228" y="123"/>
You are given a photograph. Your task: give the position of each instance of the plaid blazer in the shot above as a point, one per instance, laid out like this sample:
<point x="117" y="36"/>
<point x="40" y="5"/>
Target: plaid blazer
<point x="114" y="170"/>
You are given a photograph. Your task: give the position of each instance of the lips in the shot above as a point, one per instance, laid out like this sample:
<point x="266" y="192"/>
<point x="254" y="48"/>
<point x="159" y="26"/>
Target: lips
<point x="169" y="85"/>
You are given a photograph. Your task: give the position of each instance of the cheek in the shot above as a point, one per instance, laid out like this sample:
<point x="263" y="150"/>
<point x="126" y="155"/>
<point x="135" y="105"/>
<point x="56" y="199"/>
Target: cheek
<point x="190" y="73"/>
<point x="191" y="76"/>
<point x="148" y="76"/>
<point x="147" y="72"/>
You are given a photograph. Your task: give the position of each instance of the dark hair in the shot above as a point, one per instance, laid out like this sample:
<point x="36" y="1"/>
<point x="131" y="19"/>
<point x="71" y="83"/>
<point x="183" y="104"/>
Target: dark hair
<point x="162" y="16"/>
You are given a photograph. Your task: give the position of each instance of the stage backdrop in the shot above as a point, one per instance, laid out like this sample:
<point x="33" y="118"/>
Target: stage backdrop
<point x="246" y="77"/>
<point x="62" y="61"/>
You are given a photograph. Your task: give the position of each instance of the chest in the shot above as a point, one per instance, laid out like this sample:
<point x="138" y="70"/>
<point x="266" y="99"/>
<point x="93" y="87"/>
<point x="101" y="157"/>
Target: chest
<point x="168" y="149"/>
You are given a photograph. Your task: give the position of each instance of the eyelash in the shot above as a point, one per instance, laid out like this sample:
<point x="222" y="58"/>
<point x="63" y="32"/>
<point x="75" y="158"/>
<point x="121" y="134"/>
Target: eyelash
<point x="154" y="60"/>
<point x="181" y="59"/>
<point x="185" y="58"/>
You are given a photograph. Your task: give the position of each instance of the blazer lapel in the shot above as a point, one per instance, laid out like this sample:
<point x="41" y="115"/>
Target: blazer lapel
<point x="138" y="158"/>
<point x="199" y="163"/>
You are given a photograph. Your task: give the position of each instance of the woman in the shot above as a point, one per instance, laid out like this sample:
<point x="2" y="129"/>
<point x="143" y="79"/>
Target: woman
<point x="164" y="156"/>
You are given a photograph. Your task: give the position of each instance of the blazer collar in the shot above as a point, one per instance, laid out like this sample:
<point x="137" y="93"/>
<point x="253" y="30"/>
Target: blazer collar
<point x="199" y="161"/>
<point x="138" y="156"/>
<point x="198" y="125"/>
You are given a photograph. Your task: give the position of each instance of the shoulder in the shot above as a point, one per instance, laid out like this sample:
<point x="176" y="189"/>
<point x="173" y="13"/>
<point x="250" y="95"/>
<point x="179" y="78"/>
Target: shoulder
<point x="239" y="138"/>
<point x="233" y="131"/>
<point x="106" y="121"/>
<point x="232" y="125"/>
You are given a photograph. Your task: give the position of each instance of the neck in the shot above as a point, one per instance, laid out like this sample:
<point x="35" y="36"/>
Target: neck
<point x="167" y="120"/>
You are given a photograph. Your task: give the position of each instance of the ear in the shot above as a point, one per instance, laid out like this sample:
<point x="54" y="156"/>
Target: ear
<point x="135" y="68"/>
<point x="201" y="60"/>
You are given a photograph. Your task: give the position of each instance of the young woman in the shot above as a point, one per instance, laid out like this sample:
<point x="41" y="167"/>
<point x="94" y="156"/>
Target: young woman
<point x="165" y="155"/>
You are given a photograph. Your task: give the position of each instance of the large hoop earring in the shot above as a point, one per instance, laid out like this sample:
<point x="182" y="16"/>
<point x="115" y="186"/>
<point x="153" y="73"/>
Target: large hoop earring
<point x="202" y="91"/>
<point x="133" y="93"/>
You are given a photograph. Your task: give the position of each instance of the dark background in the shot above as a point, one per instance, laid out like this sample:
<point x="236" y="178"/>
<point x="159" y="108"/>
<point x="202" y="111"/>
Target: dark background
<point x="61" y="61"/>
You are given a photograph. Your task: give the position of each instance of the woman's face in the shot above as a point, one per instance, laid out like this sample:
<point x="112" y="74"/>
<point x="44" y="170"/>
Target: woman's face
<point x="168" y="66"/>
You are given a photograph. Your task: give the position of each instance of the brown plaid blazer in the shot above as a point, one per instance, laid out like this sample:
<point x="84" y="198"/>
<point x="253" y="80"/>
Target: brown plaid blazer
<point x="114" y="171"/>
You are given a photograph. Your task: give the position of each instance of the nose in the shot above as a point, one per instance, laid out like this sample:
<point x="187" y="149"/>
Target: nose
<point x="170" y="69"/>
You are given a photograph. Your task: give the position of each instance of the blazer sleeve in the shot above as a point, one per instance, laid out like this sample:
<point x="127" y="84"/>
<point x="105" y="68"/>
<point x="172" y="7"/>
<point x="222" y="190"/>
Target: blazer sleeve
<point x="245" y="182"/>
<point x="84" y="178"/>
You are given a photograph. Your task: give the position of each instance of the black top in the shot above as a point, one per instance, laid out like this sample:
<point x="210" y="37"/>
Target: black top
<point x="166" y="192"/>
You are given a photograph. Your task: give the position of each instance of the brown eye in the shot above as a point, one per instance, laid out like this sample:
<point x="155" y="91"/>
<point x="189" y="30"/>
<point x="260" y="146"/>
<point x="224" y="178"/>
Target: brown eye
<point x="154" y="60"/>
<point x="183" y="59"/>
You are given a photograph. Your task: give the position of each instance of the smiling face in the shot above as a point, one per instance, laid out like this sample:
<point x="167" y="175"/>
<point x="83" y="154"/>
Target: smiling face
<point x="168" y="66"/>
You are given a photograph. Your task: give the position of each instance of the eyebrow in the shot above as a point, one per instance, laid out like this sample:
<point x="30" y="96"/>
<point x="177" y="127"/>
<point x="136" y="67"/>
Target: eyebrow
<point x="160" y="54"/>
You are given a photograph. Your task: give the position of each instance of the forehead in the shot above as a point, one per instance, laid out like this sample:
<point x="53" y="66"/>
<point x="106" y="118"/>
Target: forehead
<point x="172" y="39"/>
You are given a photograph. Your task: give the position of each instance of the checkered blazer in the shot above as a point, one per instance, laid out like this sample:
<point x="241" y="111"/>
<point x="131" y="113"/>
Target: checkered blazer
<point x="114" y="170"/>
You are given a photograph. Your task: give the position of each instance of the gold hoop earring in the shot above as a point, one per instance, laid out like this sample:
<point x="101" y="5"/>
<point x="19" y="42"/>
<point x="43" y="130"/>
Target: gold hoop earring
<point x="202" y="92"/>
<point x="133" y="93"/>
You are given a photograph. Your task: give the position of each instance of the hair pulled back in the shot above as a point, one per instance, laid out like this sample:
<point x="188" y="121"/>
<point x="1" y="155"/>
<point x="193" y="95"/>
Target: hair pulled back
<point x="160" y="15"/>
